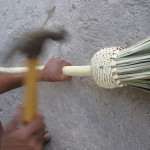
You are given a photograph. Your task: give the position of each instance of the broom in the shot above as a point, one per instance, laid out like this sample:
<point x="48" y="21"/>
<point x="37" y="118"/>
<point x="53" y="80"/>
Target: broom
<point x="112" y="67"/>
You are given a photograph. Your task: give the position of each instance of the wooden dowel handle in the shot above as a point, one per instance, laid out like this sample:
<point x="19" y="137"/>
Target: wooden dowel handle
<point x="77" y="71"/>
<point x="30" y="104"/>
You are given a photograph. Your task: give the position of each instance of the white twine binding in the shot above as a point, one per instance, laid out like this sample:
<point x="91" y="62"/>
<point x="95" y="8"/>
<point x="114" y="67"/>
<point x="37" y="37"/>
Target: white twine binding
<point x="103" y="65"/>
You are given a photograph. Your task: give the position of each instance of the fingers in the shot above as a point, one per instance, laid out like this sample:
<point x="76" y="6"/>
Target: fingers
<point x="63" y="63"/>
<point x="35" y="127"/>
<point x="66" y="78"/>
<point x="34" y="144"/>
<point x="53" y="70"/>
<point x="12" y="125"/>
<point x="43" y="137"/>
<point x="19" y="113"/>
<point x="39" y="137"/>
<point x="35" y="131"/>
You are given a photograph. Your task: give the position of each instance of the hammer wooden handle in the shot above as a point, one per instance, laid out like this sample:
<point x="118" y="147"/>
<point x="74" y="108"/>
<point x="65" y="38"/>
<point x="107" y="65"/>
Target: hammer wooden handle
<point x="30" y="104"/>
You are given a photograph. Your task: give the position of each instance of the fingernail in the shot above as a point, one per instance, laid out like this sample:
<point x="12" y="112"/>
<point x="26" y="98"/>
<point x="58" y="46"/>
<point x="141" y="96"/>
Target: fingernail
<point x="47" y="137"/>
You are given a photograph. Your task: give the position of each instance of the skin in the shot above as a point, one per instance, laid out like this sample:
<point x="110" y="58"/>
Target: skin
<point x="33" y="135"/>
<point x="29" y="137"/>
<point x="52" y="72"/>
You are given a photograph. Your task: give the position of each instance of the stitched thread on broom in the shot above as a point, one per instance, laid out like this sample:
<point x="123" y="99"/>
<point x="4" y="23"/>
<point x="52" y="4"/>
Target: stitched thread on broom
<point x="102" y="65"/>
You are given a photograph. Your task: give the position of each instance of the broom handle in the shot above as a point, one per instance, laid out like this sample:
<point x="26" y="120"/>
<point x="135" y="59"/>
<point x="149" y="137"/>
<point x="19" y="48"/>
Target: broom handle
<point x="77" y="70"/>
<point x="67" y="70"/>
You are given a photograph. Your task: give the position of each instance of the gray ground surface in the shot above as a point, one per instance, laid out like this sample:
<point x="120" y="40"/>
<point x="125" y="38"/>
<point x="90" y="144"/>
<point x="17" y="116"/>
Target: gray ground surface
<point x="79" y="114"/>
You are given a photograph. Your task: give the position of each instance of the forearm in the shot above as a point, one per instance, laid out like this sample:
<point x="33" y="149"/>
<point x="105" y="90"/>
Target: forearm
<point x="12" y="81"/>
<point x="52" y="72"/>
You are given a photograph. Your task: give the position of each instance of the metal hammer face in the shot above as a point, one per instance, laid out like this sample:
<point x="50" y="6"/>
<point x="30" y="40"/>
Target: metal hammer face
<point x="31" y="43"/>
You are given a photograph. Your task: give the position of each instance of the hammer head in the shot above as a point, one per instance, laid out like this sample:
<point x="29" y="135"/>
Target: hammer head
<point x="32" y="42"/>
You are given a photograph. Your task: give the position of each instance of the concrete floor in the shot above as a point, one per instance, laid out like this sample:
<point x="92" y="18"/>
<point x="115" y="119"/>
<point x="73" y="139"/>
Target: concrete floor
<point x="79" y="114"/>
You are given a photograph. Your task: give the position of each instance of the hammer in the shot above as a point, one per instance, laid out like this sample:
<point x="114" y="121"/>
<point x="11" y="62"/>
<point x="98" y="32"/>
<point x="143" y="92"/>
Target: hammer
<point x="31" y="45"/>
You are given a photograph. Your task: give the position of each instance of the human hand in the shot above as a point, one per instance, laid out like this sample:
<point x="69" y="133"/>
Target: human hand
<point x="52" y="71"/>
<point x="29" y="137"/>
<point x="1" y="132"/>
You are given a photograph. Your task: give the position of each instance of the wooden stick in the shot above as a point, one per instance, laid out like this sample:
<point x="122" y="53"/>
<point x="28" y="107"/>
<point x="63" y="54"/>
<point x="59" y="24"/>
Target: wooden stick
<point x="30" y="104"/>
<point x="48" y="17"/>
